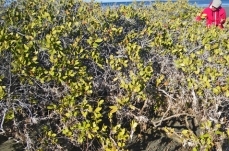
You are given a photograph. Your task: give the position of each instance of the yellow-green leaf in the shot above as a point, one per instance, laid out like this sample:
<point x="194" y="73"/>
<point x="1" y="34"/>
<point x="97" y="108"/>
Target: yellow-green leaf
<point x="113" y="109"/>
<point x="98" y="40"/>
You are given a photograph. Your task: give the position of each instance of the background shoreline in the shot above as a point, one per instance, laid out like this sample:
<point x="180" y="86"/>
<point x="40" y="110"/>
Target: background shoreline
<point x="227" y="10"/>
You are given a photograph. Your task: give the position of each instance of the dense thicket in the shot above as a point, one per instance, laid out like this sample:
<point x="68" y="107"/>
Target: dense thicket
<point x="75" y="74"/>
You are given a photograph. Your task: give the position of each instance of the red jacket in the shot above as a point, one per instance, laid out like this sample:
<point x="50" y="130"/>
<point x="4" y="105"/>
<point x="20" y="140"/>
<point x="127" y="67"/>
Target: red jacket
<point x="216" y="18"/>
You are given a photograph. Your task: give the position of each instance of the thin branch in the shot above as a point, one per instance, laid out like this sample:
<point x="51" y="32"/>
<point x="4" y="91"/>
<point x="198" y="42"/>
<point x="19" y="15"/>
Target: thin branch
<point x="200" y="46"/>
<point x="116" y="145"/>
<point x="158" y="123"/>
<point x="167" y="94"/>
<point x="163" y="116"/>
<point x="3" y="118"/>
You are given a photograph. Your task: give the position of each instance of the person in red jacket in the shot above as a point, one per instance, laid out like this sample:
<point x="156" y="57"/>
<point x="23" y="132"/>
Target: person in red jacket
<point x="214" y="14"/>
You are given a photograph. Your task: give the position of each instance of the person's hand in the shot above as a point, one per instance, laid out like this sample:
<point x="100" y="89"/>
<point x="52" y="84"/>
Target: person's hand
<point x="203" y="16"/>
<point x="222" y="21"/>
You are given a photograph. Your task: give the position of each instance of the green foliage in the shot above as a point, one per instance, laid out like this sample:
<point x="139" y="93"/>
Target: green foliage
<point x="87" y="75"/>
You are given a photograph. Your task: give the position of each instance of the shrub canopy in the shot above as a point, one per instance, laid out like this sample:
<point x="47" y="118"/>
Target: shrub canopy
<point x="75" y="74"/>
